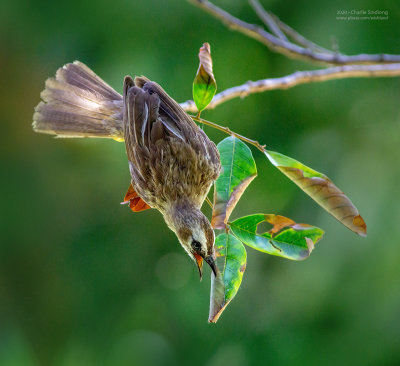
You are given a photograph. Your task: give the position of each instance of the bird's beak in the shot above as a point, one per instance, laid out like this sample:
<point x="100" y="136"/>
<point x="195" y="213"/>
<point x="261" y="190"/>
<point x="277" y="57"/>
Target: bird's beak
<point x="210" y="261"/>
<point x="199" y="261"/>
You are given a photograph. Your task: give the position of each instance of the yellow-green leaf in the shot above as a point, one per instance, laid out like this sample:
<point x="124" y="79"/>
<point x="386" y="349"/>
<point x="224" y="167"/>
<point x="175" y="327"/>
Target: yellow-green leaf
<point x="231" y="263"/>
<point x="322" y="190"/>
<point x="238" y="170"/>
<point x="204" y="84"/>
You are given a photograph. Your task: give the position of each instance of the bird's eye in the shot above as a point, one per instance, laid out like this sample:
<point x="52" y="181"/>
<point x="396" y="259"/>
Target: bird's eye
<point x="196" y="245"/>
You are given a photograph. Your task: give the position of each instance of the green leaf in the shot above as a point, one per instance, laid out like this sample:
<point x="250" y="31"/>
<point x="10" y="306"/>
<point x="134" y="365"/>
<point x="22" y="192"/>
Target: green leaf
<point x="238" y="170"/>
<point x="322" y="190"/>
<point x="204" y="84"/>
<point x="231" y="262"/>
<point x="286" y="238"/>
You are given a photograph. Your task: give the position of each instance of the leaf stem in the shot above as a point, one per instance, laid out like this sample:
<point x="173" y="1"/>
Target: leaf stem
<point x="209" y="202"/>
<point x="228" y="131"/>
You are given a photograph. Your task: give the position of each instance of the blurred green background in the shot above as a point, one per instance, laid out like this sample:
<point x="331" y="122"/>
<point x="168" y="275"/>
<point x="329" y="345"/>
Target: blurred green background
<point x="83" y="281"/>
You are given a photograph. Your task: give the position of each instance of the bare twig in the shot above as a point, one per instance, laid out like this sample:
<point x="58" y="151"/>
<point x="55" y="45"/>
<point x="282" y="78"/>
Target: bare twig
<point x="299" y="77"/>
<point x="228" y="131"/>
<point x="296" y="36"/>
<point x="362" y="65"/>
<point x="267" y="19"/>
<point x="279" y="28"/>
<point x="290" y="49"/>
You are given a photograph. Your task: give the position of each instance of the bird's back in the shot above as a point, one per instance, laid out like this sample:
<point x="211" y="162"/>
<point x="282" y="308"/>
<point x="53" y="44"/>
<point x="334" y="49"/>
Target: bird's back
<point x="170" y="157"/>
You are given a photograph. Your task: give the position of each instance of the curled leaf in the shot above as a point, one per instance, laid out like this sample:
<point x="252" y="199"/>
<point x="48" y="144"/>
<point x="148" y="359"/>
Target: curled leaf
<point x="322" y="190"/>
<point x="231" y="262"/>
<point x="238" y="170"/>
<point x="285" y="239"/>
<point x="204" y="84"/>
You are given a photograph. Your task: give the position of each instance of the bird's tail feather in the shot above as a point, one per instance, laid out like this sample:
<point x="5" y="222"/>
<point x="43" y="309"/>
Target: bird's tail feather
<point x="77" y="103"/>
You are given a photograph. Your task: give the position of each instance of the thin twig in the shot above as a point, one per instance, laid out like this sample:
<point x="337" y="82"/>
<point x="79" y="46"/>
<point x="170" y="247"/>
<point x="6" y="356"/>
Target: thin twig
<point x="209" y="203"/>
<point x="279" y="28"/>
<point x="287" y="48"/>
<point x="228" y="131"/>
<point x="267" y="19"/>
<point x="296" y="36"/>
<point x="299" y="77"/>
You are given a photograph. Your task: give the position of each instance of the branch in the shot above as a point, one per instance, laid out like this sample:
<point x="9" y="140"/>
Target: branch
<point x="296" y="36"/>
<point x="268" y="20"/>
<point x="289" y="49"/>
<point x="228" y="131"/>
<point x="299" y="77"/>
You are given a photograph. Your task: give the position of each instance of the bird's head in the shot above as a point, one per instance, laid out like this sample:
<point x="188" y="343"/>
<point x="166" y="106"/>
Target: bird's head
<point x="195" y="234"/>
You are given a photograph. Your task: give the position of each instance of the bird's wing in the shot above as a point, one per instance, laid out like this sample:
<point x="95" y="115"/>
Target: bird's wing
<point x="178" y="122"/>
<point x="149" y="115"/>
<point x="140" y="117"/>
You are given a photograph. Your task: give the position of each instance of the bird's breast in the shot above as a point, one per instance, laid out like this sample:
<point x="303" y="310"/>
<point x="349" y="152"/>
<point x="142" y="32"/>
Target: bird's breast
<point x="173" y="170"/>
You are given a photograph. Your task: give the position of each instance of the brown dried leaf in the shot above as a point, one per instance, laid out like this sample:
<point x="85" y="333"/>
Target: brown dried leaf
<point x="330" y="197"/>
<point x="321" y="189"/>
<point x="279" y="222"/>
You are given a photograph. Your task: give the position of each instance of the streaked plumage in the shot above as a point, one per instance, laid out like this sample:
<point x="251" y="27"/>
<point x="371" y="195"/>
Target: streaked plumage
<point x="172" y="161"/>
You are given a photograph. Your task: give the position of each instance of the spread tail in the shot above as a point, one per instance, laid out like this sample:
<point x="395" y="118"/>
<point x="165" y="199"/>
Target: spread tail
<point x="77" y="103"/>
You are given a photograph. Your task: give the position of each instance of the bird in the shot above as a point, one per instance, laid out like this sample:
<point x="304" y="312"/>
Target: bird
<point x="172" y="162"/>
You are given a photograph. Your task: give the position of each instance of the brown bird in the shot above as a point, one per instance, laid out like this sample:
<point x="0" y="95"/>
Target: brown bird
<point x="171" y="160"/>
